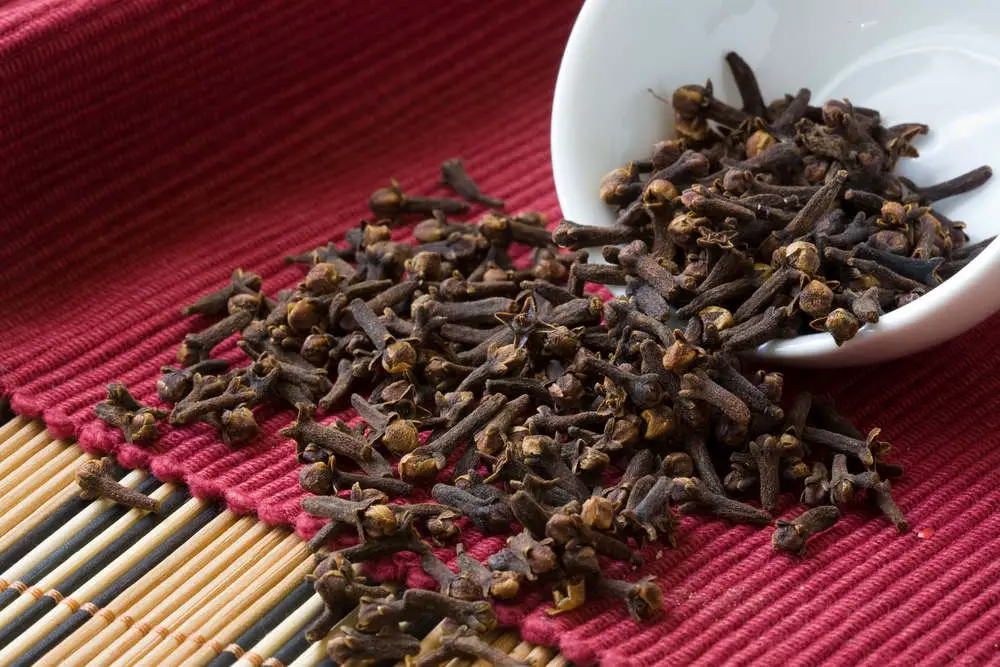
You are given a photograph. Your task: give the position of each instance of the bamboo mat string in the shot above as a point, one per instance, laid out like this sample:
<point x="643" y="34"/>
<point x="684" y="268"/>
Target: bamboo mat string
<point x="82" y="610"/>
<point x="265" y="623"/>
<point x="181" y="610"/>
<point x="19" y="559"/>
<point x="75" y="560"/>
<point x="109" y="604"/>
<point x="129" y="621"/>
<point x="214" y="639"/>
<point x="141" y="538"/>
<point x="285" y="632"/>
<point x="211" y="617"/>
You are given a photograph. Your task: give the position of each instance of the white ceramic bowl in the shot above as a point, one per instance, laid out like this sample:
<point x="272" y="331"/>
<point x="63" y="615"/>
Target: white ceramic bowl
<point x="914" y="60"/>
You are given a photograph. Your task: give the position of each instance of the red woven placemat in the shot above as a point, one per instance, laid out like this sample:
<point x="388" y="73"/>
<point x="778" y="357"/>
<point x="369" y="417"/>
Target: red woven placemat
<point x="147" y="147"/>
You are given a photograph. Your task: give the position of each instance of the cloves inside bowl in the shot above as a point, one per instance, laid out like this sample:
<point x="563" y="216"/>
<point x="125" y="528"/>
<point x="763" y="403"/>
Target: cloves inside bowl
<point x="908" y="61"/>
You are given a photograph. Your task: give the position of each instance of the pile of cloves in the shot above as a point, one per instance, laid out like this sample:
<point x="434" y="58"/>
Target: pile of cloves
<point x="768" y="221"/>
<point x="484" y="375"/>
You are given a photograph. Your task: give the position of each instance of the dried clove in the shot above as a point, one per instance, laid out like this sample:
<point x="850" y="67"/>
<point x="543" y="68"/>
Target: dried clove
<point x="95" y="481"/>
<point x="349" y="646"/>
<point x="792" y="535"/>
<point x="136" y="421"/>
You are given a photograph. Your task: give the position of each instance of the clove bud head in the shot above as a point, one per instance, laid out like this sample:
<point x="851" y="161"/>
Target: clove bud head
<point x="386" y="202"/>
<point x="737" y="181"/>
<point x="816" y="298"/>
<point x="615" y="186"/>
<point x="660" y="422"/>
<point x="401" y="436"/>
<point x="803" y="256"/>
<point x="758" y="142"/>
<point x="893" y="214"/>
<point x="317" y="479"/>
<point x="659" y="192"/>
<point x="680" y="355"/>
<point x="560" y="341"/>
<point x="689" y="100"/>
<point x="316" y="348"/>
<point x="534" y="447"/>
<point x="400" y="357"/>
<point x="418" y="466"/>
<point x="561" y="528"/>
<point x="380" y="521"/>
<point x="443" y="529"/>
<point x="842" y="325"/>
<point x="598" y="512"/>
<point x="665" y="153"/>
<point x="592" y="460"/>
<point x="717" y="317"/>
<point x="239" y="425"/>
<point x="373" y="234"/>
<point x="678" y="464"/>
<point x="645" y="600"/>
<point x="321" y="279"/>
<point x="303" y="315"/>
<point x="426" y="266"/>
<point x="188" y="354"/>
<point x="788" y="537"/>
<point x="505" y="585"/>
<point x="240" y="302"/>
<point x="143" y="427"/>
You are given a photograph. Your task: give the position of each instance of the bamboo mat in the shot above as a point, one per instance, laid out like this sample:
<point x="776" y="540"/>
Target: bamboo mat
<point x="91" y="583"/>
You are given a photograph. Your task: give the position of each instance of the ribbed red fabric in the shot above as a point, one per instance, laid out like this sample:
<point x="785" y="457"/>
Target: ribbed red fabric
<point x="148" y="147"/>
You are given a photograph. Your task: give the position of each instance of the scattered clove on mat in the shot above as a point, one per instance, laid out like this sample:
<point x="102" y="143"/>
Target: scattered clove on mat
<point x="95" y="481"/>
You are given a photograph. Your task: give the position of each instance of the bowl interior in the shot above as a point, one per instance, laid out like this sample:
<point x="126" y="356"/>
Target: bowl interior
<point x="913" y="61"/>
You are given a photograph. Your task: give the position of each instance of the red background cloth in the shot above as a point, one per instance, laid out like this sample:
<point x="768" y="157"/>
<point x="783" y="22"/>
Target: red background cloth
<point x="148" y="147"/>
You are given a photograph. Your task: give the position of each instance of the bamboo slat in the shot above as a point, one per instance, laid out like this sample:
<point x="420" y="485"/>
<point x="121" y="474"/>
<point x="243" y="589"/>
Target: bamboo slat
<point x="245" y="540"/>
<point x="273" y="592"/>
<point x="32" y="511"/>
<point x="58" y="460"/>
<point x="9" y="428"/>
<point x="61" y="486"/>
<point x="14" y="436"/>
<point x="281" y="634"/>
